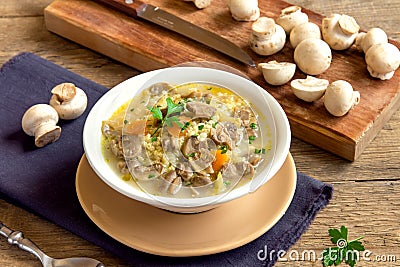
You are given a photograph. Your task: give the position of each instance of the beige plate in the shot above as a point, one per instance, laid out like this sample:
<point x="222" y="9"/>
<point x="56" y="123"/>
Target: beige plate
<point x="160" y="232"/>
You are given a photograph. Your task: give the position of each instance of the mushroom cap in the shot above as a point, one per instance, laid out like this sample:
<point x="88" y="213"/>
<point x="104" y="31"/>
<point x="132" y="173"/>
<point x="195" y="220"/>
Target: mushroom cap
<point x="313" y="56"/>
<point x="290" y="17"/>
<point x="339" y="31"/>
<point x="374" y="36"/>
<point x="383" y="58"/>
<point x="267" y="38"/>
<point x="70" y="109"/>
<point x="244" y="10"/>
<point x="309" y="89"/>
<point x="277" y="73"/>
<point x="304" y="31"/>
<point x="37" y="115"/>
<point x="340" y="98"/>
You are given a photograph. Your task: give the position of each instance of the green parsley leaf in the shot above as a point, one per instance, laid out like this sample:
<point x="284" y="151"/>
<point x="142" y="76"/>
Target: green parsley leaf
<point x="253" y="126"/>
<point x="200" y="127"/>
<point x="156" y="113"/>
<point x="191" y="155"/>
<point x="345" y="250"/>
<point x="153" y="139"/>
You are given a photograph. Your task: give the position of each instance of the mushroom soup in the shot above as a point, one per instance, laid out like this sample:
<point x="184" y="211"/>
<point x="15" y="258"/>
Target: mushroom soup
<point x="192" y="140"/>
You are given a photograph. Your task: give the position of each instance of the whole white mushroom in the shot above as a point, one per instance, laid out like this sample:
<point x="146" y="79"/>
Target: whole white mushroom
<point x="290" y="17"/>
<point x="313" y="56"/>
<point x="68" y="100"/>
<point x="244" y="10"/>
<point x="267" y="37"/>
<point x="382" y="60"/>
<point x="40" y="121"/>
<point x="374" y="36"/>
<point x="200" y="3"/>
<point x="339" y="31"/>
<point x="340" y="98"/>
<point x="304" y="31"/>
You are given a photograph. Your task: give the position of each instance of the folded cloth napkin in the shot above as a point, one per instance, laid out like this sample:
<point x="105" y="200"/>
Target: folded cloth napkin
<point x="43" y="180"/>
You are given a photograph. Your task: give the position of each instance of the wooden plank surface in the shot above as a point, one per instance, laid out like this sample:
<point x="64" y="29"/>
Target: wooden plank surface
<point x="146" y="46"/>
<point x="367" y="192"/>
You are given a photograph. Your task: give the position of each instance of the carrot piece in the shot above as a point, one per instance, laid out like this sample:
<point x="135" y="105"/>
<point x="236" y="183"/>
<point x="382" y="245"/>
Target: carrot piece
<point x="219" y="161"/>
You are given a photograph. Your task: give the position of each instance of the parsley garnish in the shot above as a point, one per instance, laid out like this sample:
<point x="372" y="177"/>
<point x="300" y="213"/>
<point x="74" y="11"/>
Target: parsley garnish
<point x="253" y="126"/>
<point x="191" y="155"/>
<point x="151" y="176"/>
<point x="201" y="127"/>
<point x="223" y="149"/>
<point x="125" y="122"/>
<point x="153" y="139"/>
<point x="257" y="151"/>
<point x="344" y="251"/>
<point x="172" y="108"/>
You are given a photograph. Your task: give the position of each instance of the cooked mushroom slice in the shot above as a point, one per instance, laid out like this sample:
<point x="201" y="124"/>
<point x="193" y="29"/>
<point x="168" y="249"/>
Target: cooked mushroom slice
<point x="175" y="186"/>
<point x="267" y="38"/>
<point x="313" y="56"/>
<point x="290" y="17"/>
<point x="184" y="170"/>
<point x="339" y="31"/>
<point x="255" y="160"/>
<point x="304" y="31"/>
<point x="167" y="179"/>
<point x="143" y="173"/>
<point x="159" y="88"/>
<point x="201" y="180"/>
<point x="374" y="36"/>
<point x="200" y="3"/>
<point x="40" y="121"/>
<point x="226" y="133"/>
<point x="243" y="114"/>
<point x="382" y="60"/>
<point x="277" y="73"/>
<point x="69" y="101"/>
<point x="201" y="110"/>
<point x="309" y="89"/>
<point x="244" y="10"/>
<point x="340" y="98"/>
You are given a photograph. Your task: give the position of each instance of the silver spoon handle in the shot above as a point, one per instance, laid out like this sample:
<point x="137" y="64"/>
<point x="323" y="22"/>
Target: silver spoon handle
<point x="17" y="238"/>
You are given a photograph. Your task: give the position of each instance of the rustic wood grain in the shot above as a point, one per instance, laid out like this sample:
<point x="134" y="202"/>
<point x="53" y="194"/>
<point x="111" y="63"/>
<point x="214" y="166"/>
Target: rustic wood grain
<point x="146" y="46"/>
<point x="366" y="198"/>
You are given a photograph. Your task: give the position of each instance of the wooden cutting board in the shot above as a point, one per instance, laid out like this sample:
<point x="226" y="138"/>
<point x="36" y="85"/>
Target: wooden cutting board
<point x="146" y="47"/>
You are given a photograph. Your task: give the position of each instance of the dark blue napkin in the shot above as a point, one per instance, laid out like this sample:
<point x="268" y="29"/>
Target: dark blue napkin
<point x="43" y="180"/>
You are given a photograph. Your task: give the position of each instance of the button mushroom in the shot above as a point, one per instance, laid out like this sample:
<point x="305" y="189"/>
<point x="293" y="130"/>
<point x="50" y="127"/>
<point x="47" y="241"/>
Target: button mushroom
<point x="374" y="36"/>
<point x="277" y="73"/>
<point x="309" y="89"/>
<point x="69" y="101"/>
<point x="290" y="17"/>
<point x="267" y="38"/>
<point x="339" y="31"/>
<point x="40" y="121"/>
<point x="304" y="31"/>
<point x="313" y="56"/>
<point x="244" y="10"/>
<point x="382" y="60"/>
<point x="340" y="98"/>
<point x="200" y="3"/>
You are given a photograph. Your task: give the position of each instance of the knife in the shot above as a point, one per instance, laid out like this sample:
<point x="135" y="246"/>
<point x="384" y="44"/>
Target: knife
<point x="138" y="9"/>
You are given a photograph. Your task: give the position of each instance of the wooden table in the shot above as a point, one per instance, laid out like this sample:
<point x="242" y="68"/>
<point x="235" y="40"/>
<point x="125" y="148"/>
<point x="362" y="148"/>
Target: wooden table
<point x="367" y="192"/>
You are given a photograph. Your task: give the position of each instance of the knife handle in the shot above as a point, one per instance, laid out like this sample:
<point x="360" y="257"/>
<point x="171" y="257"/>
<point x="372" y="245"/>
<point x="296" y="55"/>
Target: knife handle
<point x="129" y="7"/>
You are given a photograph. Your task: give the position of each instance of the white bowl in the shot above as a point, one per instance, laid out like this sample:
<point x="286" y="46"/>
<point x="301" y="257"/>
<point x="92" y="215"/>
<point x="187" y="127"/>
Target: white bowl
<point x="267" y="107"/>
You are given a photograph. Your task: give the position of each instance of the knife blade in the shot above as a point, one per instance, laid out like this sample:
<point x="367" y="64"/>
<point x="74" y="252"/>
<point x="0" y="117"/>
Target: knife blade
<point x="138" y="9"/>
